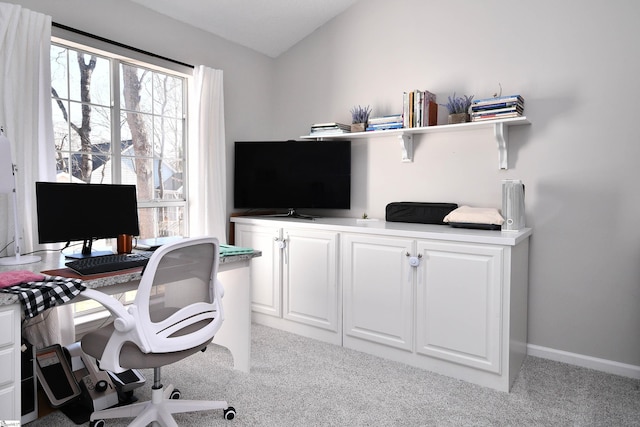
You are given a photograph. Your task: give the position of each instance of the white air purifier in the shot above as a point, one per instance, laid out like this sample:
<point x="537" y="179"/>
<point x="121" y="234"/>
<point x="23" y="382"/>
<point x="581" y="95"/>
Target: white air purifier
<point x="512" y="205"/>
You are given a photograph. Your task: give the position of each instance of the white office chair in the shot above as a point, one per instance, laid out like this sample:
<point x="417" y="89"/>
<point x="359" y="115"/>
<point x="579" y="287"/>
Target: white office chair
<point x="176" y="313"/>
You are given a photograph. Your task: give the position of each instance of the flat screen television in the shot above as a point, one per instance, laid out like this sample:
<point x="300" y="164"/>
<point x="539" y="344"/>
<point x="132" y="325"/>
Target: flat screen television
<point x="292" y="175"/>
<point x="70" y="212"/>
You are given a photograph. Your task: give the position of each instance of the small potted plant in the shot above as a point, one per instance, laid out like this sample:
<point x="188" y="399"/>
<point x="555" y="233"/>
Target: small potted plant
<point x="359" y="118"/>
<point x="458" y="108"/>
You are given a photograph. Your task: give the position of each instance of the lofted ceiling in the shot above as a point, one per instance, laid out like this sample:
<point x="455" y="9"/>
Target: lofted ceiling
<point x="267" y="26"/>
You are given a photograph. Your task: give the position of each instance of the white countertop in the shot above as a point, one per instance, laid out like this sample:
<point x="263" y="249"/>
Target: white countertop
<point x="404" y="229"/>
<point x="54" y="260"/>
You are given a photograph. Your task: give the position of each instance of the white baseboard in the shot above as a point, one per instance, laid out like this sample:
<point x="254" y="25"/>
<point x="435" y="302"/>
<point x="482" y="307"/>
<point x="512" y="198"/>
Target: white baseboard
<point x="603" y="365"/>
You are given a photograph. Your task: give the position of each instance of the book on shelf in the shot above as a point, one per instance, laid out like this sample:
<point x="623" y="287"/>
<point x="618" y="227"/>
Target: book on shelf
<point x="497" y="100"/>
<point x="496" y="105"/>
<point x="495" y="116"/>
<point x="385" y="126"/>
<point x="405" y="109"/>
<point x="392" y="118"/>
<point x="410" y="109"/>
<point x="418" y="99"/>
<point x="501" y="107"/>
<point x="514" y="108"/>
<point x="329" y="128"/>
<point x="430" y="112"/>
<point x="330" y="125"/>
<point x="329" y="132"/>
<point x="419" y="109"/>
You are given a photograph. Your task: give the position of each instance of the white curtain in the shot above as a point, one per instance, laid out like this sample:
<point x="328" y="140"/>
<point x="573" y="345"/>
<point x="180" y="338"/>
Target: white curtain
<point x="207" y="156"/>
<point x="25" y="114"/>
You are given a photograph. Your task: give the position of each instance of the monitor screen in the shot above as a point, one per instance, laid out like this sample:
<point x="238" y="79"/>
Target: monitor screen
<point x="292" y="174"/>
<point x="72" y="212"/>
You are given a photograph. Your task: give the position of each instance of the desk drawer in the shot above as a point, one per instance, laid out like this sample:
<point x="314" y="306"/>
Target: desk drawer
<point x="7" y="328"/>
<point x="7" y="373"/>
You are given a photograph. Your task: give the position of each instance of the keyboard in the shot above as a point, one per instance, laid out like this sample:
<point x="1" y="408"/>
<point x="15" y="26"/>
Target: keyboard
<point x="108" y="263"/>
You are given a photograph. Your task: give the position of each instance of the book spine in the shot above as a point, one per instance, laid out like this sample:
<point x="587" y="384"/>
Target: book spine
<point x="411" y="111"/>
<point x="475" y="107"/>
<point x="495" y="116"/>
<point x="420" y="109"/>
<point x="417" y="102"/>
<point x="510" y="98"/>
<point x="496" y="110"/>
<point x="431" y="118"/>
<point x="388" y="119"/>
<point x="405" y="109"/>
<point x="385" y="126"/>
<point x="330" y="132"/>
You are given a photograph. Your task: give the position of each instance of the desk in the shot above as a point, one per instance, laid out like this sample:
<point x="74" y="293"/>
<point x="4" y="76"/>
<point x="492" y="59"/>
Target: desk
<point x="235" y="333"/>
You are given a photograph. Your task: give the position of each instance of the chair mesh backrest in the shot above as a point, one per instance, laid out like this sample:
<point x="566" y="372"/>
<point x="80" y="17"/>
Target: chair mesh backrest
<point x="177" y="297"/>
<point x="182" y="278"/>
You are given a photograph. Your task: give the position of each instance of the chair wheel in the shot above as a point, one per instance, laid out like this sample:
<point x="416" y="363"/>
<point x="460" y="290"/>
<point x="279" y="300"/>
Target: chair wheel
<point x="229" y="413"/>
<point x="175" y="394"/>
<point x="97" y="423"/>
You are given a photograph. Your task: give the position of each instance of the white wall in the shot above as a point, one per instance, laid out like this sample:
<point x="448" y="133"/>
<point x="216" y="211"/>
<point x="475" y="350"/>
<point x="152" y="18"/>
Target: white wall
<point x="577" y="65"/>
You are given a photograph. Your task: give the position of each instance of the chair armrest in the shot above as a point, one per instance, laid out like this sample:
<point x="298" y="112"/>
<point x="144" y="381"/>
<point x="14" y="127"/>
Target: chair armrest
<point x="124" y="321"/>
<point x="219" y="294"/>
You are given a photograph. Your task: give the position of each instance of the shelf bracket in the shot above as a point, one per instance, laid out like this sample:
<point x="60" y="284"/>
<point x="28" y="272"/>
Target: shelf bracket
<point x="406" y="144"/>
<point x="501" y="133"/>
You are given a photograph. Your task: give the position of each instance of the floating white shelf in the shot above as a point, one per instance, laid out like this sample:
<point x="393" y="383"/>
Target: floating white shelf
<point x="405" y="135"/>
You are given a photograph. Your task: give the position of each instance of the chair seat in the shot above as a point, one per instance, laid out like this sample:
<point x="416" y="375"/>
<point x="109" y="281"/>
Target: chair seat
<point x="131" y="357"/>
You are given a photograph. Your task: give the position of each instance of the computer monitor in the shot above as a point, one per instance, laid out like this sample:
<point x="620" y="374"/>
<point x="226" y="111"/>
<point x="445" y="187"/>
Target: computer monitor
<point x="70" y="212"/>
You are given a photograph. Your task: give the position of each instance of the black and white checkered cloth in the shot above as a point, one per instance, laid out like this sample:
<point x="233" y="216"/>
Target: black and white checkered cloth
<point x="38" y="296"/>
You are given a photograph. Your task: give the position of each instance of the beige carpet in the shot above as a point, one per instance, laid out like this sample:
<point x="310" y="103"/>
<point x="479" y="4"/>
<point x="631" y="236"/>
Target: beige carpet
<point x="296" y="381"/>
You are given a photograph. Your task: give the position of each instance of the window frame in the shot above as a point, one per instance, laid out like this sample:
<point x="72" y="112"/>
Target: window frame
<point x="118" y="54"/>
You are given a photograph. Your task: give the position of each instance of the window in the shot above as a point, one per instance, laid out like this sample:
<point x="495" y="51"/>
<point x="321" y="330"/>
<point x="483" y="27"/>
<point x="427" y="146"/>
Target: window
<point x="119" y="120"/>
<point x="123" y="122"/>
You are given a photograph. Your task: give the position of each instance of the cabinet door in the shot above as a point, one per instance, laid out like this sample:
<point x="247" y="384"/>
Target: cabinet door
<point x="310" y="278"/>
<point x="459" y="303"/>
<point x="10" y="362"/>
<point x="378" y="290"/>
<point x="265" y="270"/>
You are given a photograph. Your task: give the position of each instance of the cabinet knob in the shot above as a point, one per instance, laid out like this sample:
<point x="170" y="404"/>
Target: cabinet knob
<point x="414" y="261"/>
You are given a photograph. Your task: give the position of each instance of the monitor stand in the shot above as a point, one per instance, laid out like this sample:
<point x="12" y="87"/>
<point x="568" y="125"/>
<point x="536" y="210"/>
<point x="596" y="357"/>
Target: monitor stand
<point x="87" y="252"/>
<point x="293" y="214"/>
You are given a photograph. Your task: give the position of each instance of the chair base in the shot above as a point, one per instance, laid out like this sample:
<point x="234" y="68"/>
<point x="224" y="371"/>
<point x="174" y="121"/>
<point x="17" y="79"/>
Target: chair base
<point x="159" y="409"/>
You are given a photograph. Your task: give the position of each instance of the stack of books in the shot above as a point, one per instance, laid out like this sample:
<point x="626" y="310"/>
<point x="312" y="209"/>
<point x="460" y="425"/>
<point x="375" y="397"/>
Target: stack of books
<point x="393" y="121"/>
<point x="419" y="109"/>
<point x="332" y="128"/>
<point x="502" y="107"/>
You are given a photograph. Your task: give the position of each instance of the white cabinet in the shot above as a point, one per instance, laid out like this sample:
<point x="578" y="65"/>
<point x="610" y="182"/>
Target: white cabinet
<point x="310" y="279"/>
<point x="266" y="269"/>
<point x="452" y="301"/>
<point x="295" y="283"/>
<point x="378" y="290"/>
<point x="10" y="362"/>
<point x="459" y="293"/>
<point x="442" y="306"/>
